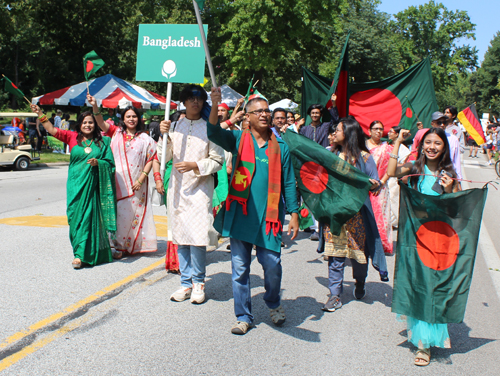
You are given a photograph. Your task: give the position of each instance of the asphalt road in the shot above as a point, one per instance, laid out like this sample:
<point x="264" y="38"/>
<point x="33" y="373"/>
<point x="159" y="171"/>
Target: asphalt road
<point x="117" y="319"/>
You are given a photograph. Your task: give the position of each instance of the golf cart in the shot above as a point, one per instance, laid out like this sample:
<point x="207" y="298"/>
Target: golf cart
<point x="12" y="154"/>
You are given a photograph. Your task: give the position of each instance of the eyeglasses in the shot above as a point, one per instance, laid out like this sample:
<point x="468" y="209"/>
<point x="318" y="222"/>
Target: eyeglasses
<point x="377" y="129"/>
<point x="440" y="122"/>
<point x="265" y="111"/>
<point x="195" y="99"/>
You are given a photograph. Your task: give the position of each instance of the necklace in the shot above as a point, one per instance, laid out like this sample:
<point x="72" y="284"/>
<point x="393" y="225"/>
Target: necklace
<point x="88" y="149"/>
<point x="128" y="139"/>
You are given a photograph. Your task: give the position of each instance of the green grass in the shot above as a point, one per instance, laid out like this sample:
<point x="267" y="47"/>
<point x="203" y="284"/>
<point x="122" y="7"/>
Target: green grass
<point x="47" y="156"/>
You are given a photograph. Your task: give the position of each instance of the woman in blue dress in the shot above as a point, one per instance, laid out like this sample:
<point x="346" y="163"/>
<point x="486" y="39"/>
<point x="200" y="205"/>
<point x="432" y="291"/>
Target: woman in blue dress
<point x="433" y="163"/>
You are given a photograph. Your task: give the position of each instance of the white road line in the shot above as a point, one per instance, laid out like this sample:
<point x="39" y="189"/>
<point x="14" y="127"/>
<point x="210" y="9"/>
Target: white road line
<point x="488" y="250"/>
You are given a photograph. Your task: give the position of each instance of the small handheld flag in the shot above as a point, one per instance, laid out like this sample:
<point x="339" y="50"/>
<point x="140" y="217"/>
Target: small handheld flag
<point x="471" y="123"/>
<point x="410" y="115"/>
<point x="91" y="64"/>
<point x="13" y="89"/>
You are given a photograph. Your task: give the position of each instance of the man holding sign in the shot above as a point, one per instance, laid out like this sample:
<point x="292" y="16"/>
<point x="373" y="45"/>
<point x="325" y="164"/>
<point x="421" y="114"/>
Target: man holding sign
<point x="189" y="197"/>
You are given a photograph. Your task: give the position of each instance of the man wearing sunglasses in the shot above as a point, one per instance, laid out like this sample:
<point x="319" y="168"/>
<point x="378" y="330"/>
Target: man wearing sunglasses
<point x="262" y="182"/>
<point x="439" y="120"/>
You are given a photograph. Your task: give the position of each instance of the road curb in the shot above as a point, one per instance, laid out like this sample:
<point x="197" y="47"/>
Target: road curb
<point x="49" y="164"/>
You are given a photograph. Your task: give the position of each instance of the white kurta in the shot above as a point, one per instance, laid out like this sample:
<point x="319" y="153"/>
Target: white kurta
<point x="189" y="195"/>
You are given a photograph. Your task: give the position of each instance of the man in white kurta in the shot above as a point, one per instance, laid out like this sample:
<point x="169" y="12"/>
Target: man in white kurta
<point x="190" y="191"/>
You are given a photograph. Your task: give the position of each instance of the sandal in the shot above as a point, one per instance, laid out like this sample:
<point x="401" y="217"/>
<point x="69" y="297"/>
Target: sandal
<point x="117" y="255"/>
<point x="423" y="357"/>
<point x="77" y="263"/>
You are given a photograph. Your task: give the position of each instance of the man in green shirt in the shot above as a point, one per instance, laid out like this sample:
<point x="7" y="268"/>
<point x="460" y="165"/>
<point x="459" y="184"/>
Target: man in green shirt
<point x="262" y="182"/>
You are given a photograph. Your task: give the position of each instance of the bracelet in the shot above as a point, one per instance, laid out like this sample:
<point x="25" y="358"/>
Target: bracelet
<point x="157" y="174"/>
<point x="137" y="181"/>
<point x="97" y="113"/>
<point x="145" y="173"/>
<point x="43" y="118"/>
<point x="395" y="156"/>
<point x="157" y="178"/>
<point x="228" y="122"/>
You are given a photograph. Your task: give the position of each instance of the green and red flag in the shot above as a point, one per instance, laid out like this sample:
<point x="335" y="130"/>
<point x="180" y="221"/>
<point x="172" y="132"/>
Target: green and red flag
<point x="256" y="94"/>
<point x="410" y="119"/>
<point x="340" y="83"/>
<point x="381" y="100"/>
<point x="13" y="89"/>
<point x="435" y="253"/>
<point x="91" y="64"/>
<point x="331" y="188"/>
<point x="305" y="217"/>
<point x="471" y="123"/>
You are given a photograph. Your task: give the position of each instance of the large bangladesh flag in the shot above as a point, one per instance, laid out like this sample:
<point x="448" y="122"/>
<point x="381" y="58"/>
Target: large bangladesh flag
<point x="383" y="100"/>
<point x="435" y="253"/>
<point x="332" y="189"/>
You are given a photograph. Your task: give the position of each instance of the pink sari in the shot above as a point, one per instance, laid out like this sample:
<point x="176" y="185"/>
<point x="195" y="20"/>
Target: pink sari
<point x="135" y="227"/>
<point x="381" y="203"/>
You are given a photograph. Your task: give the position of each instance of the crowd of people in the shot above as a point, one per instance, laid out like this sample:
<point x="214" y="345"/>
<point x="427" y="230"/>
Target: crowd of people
<point x="109" y="201"/>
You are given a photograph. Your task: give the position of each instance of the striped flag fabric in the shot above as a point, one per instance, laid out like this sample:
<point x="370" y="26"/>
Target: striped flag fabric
<point x="471" y="123"/>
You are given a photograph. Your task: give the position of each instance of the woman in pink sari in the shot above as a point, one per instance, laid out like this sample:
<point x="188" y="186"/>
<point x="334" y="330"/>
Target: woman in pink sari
<point x="380" y="199"/>
<point x="133" y="151"/>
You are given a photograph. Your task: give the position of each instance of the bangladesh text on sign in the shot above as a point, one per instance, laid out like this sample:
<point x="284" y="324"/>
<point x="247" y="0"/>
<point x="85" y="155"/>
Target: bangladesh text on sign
<point x="170" y="53"/>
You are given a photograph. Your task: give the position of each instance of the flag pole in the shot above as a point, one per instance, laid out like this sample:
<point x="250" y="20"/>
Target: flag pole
<point x="205" y="44"/>
<point x="165" y="135"/>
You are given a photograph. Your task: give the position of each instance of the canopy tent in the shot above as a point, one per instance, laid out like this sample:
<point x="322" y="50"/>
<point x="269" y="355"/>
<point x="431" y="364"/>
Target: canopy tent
<point x="109" y="91"/>
<point x="229" y="96"/>
<point x="286" y="104"/>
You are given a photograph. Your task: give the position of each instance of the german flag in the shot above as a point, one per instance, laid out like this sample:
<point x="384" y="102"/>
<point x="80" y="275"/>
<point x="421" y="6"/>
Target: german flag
<point x="471" y="123"/>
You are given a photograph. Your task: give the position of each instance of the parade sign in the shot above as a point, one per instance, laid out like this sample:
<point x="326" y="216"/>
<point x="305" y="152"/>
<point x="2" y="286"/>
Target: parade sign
<point x="170" y="53"/>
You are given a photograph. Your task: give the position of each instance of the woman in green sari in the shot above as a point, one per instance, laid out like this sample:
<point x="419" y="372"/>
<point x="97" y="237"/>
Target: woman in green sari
<point x="91" y="197"/>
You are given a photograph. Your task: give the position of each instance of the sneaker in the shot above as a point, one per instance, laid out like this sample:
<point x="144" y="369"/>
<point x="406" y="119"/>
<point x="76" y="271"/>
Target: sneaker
<point x="198" y="294"/>
<point x="182" y="294"/>
<point x="332" y="304"/>
<point x="359" y="291"/>
<point x="241" y="327"/>
<point x="278" y="315"/>
<point x="314" y="236"/>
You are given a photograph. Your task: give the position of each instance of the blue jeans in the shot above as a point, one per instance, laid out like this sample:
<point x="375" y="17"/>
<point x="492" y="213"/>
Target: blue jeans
<point x="336" y="273"/>
<point x="192" y="263"/>
<point x="241" y="258"/>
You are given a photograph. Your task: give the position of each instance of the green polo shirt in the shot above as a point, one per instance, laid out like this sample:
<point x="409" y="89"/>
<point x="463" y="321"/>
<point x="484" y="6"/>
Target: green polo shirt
<point x="251" y="228"/>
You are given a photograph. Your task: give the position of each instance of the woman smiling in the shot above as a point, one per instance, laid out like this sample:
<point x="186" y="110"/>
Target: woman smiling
<point x="134" y="151"/>
<point x="90" y="189"/>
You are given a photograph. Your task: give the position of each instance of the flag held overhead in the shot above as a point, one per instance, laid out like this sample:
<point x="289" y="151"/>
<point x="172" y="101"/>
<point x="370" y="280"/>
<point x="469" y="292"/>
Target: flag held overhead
<point x="13" y="89"/>
<point x="470" y="121"/>
<point x="91" y="64"/>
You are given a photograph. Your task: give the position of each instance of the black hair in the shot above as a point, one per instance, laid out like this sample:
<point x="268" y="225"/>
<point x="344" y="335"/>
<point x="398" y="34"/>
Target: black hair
<point x="290" y="112"/>
<point x="140" y="123"/>
<point x="96" y="133"/>
<point x="396" y="129"/>
<point x="191" y="91"/>
<point x="332" y="128"/>
<point x="279" y="109"/>
<point x="444" y="163"/>
<point x="254" y="100"/>
<point x="315" y="107"/>
<point x="176" y="115"/>
<point x="66" y="117"/>
<point x="376" y="122"/>
<point x="453" y="110"/>
<point x="354" y="139"/>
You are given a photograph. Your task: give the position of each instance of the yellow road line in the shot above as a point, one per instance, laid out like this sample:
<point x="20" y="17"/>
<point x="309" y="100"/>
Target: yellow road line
<point x="16" y="357"/>
<point x="74" y="307"/>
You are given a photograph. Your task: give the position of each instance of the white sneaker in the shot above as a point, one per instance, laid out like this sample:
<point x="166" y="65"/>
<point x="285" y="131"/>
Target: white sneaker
<point x="182" y="294"/>
<point x="198" y="294"/>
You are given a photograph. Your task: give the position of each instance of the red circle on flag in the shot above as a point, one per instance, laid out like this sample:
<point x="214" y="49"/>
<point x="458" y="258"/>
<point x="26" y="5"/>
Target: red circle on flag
<point x="241" y="179"/>
<point x="437" y="245"/>
<point x="409" y="113"/>
<point x="314" y="177"/>
<point x="90" y="66"/>
<point x="375" y="104"/>
<point x="304" y="213"/>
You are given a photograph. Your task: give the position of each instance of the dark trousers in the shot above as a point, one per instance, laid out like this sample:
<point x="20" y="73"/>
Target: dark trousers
<point x="336" y="273"/>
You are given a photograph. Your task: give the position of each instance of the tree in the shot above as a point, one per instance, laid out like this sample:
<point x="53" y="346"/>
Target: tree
<point x="434" y="31"/>
<point x="488" y="77"/>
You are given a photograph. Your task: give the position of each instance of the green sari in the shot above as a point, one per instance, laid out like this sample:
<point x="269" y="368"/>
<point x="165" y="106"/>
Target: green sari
<point x="91" y="201"/>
